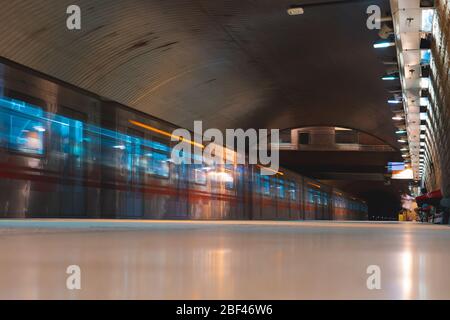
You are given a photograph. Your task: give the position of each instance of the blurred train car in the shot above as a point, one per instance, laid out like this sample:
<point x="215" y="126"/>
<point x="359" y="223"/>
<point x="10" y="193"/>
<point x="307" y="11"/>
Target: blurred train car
<point x="70" y="154"/>
<point x="346" y="207"/>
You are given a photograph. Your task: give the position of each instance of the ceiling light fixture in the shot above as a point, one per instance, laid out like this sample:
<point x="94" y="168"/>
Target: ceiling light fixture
<point x="389" y="78"/>
<point x="295" y="11"/>
<point x="383" y="44"/>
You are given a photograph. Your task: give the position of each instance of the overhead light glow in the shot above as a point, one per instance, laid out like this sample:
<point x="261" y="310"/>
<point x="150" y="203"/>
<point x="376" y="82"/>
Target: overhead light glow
<point x="402" y="141"/>
<point x="295" y="11"/>
<point x="383" y="44"/>
<point x="404" y="174"/>
<point x="424" y="101"/>
<point x="427" y="20"/>
<point x="425" y="56"/>
<point x="39" y="128"/>
<point x="397" y="118"/>
<point x="220" y="176"/>
<point x="424" y="83"/>
<point x="400" y="131"/>
<point x="388" y="78"/>
<point x="394" y="101"/>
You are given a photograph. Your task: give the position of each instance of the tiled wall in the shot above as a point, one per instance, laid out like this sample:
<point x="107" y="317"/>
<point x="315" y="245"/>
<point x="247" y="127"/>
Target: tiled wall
<point x="437" y="155"/>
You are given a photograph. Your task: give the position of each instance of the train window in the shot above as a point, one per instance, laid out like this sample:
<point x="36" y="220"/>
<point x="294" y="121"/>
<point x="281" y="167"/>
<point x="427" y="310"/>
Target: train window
<point x="257" y="182"/>
<point x="159" y="165"/>
<point x="24" y="126"/>
<point x="182" y="172"/>
<point x="318" y="196"/>
<point x="144" y="163"/>
<point x="121" y="154"/>
<point x="124" y="160"/>
<point x="265" y="185"/>
<point x="199" y="173"/>
<point x="70" y="127"/>
<point x="292" y="190"/>
<point x="112" y="147"/>
<point x="184" y="158"/>
<point x="158" y="160"/>
<point x="213" y="172"/>
<point x="182" y="169"/>
<point x="4" y="127"/>
<point x="26" y="135"/>
<point x="137" y="156"/>
<point x="229" y="182"/>
<point x="315" y="196"/>
<point x="325" y="198"/>
<point x="311" y="198"/>
<point x="220" y="174"/>
<point x="116" y="149"/>
<point x="280" y="188"/>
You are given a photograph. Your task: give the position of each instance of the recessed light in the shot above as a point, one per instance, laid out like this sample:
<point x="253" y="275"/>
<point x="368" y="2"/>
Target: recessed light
<point x="295" y="11"/>
<point x="383" y="44"/>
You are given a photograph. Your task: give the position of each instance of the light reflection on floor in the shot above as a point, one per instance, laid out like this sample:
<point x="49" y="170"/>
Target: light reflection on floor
<point x="222" y="260"/>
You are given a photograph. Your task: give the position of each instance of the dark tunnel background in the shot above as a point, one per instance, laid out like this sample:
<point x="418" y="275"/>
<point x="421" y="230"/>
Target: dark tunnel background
<point x="383" y="200"/>
<point x="382" y="204"/>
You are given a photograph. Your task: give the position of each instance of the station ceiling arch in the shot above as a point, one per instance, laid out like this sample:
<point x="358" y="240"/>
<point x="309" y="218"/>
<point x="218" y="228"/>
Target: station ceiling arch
<point x="230" y="63"/>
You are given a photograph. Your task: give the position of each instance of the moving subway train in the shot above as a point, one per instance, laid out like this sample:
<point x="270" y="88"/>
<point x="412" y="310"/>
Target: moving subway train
<point x="67" y="153"/>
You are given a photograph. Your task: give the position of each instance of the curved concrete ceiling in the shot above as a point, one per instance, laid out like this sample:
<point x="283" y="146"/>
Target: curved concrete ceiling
<point x="230" y="63"/>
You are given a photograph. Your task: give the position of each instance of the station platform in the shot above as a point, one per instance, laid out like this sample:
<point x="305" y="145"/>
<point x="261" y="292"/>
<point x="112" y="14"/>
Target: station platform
<point x="129" y="259"/>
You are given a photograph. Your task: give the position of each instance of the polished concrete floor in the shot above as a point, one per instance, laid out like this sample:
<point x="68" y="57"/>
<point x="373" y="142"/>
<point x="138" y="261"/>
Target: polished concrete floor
<point x="223" y="260"/>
